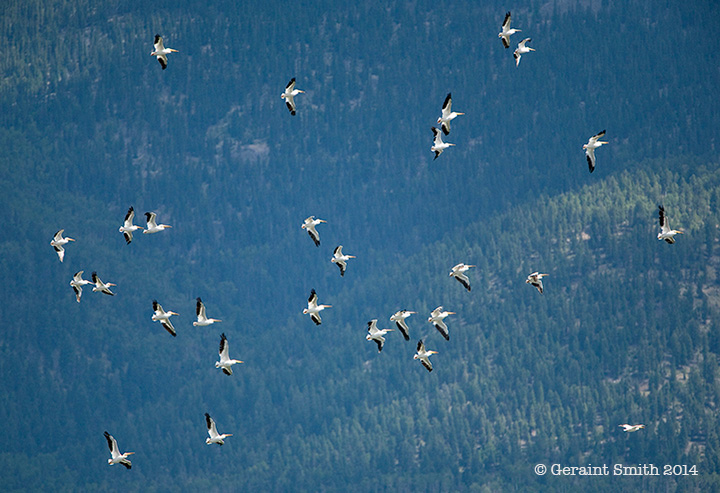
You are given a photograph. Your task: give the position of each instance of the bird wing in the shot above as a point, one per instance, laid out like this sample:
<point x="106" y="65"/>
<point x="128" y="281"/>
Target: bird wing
<point x="403" y="328"/>
<point x="128" y="237"/>
<point x="420" y="346"/>
<point x="316" y="318"/>
<point x="224" y="350"/>
<point x="112" y="444"/>
<point x="379" y="344"/>
<point x="442" y="328"/>
<point x="312" y="300"/>
<point x="290" y="86"/>
<point x="338" y="251"/>
<point x="426" y="363"/>
<point x="150" y="217"/>
<point x="506" y="22"/>
<point x="447" y="106"/>
<point x="212" y="430"/>
<point x="342" y="265"/>
<point x="129" y="217"/>
<point x="58" y="235"/>
<point x="590" y="155"/>
<point x="463" y="279"/>
<point x="522" y="43"/>
<point x="200" y="310"/>
<point x="78" y="292"/>
<point x="664" y="224"/>
<point x="167" y="324"/>
<point x="372" y="327"/>
<point x="596" y="137"/>
<point x="158" y="44"/>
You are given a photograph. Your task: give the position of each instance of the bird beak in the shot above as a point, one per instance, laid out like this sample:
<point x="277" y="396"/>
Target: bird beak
<point x="168" y="226"/>
<point x="461" y="113"/>
<point x="452" y="313"/>
<point x="174" y="51"/>
<point x="322" y="220"/>
<point x="129" y="453"/>
<point x="174" y="313"/>
<point x="69" y="239"/>
<point x="433" y="352"/>
<point x="228" y="434"/>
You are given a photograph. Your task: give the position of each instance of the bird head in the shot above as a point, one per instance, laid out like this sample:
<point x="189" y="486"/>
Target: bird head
<point x="217" y="364"/>
<point x="305" y="311"/>
<point x="207" y="440"/>
<point x="416" y="356"/>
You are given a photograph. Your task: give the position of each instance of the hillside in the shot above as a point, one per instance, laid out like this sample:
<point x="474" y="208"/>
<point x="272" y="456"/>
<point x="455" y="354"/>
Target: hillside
<point x="626" y="330"/>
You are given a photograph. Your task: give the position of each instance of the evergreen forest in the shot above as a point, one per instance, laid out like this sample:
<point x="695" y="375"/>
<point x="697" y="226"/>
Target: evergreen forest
<point x="627" y="329"/>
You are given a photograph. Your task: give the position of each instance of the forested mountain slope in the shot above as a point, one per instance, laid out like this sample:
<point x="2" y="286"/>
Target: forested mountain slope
<point x="626" y="330"/>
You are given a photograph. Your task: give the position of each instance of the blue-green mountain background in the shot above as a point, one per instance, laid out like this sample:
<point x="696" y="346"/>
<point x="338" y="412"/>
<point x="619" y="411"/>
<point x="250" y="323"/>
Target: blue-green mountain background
<point x="626" y="331"/>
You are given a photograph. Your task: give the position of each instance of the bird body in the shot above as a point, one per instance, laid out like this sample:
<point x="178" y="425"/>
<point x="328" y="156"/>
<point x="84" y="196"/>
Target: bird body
<point x="340" y="259"/>
<point x="521" y="50"/>
<point x="289" y="95"/>
<point x="458" y="272"/>
<point x="225" y="362"/>
<point x="631" y="428"/>
<point x="438" y="145"/>
<point x="161" y="52"/>
<point x="507" y="31"/>
<point x="437" y="317"/>
<point x="102" y="287"/>
<point x="593" y="143"/>
<point x="215" y="437"/>
<point x="313" y="309"/>
<point x="202" y="319"/>
<point x="116" y="456"/>
<point x="58" y="243"/>
<point x="536" y="280"/>
<point x="77" y="283"/>
<point x="666" y="233"/>
<point x="424" y="355"/>
<point x="448" y="114"/>
<point x="309" y="225"/>
<point x="152" y="226"/>
<point x="128" y="227"/>
<point x="377" y="335"/>
<point x="399" y="318"/>
<point x="163" y="317"/>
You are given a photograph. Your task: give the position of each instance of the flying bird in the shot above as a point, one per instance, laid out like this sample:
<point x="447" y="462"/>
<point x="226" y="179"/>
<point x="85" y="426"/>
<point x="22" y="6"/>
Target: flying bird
<point x="225" y="362"/>
<point x="424" y="355"/>
<point x="152" y="226"/>
<point x="57" y="243"/>
<point x="592" y="144"/>
<point x="202" y="319"/>
<point x="507" y="31"/>
<point x="309" y="225"/>
<point x="521" y="50"/>
<point x="128" y="227"/>
<point x="436" y="318"/>
<point x="536" y="280"/>
<point x="215" y="437"/>
<point x="314" y="309"/>
<point x="438" y="145"/>
<point x="102" y="287"/>
<point x="161" y="52"/>
<point x="631" y="428"/>
<point x="666" y="233"/>
<point x="447" y="114"/>
<point x="399" y="319"/>
<point x="163" y="317"/>
<point x="77" y="283"/>
<point x="117" y="457"/>
<point x="375" y="334"/>
<point x="458" y="272"/>
<point x="340" y="260"/>
<point x="289" y="95"/>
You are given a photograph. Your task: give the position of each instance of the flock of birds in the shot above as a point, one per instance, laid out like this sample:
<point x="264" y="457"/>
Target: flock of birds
<point x="377" y="335"/>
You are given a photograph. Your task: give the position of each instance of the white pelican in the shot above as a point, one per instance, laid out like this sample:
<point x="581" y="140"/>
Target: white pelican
<point x="225" y="362"/>
<point x="666" y="234"/>
<point x="399" y="319"/>
<point x="592" y="144"/>
<point x="507" y="31"/>
<point x="289" y="95"/>
<point x="536" y="280"/>
<point x="128" y="227"/>
<point x="340" y="259"/>
<point x="521" y="50"/>
<point x="77" y="283"/>
<point x="117" y="457"/>
<point x="215" y="437"/>
<point x="447" y="114"/>
<point x="423" y="355"/>
<point x="436" y="318"/>
<point x="631" y="428"/>
<point x="375" y="334"/>
<point x="163" y="317"/>
<point x="153" y="227"/>
<point x="202" y="319"/>
<point x="102" y="287"/>
<point x="458" y="273"/>
<point x="309" y="225"/>
<point x="57" y="243"/>
<point x="438" y="145"/>
<point x="161" y="52"/>
<point x="314" y="309"/>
